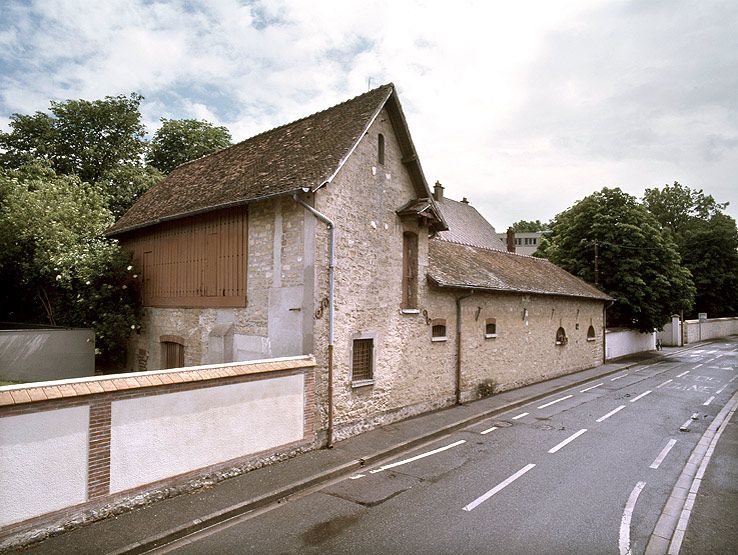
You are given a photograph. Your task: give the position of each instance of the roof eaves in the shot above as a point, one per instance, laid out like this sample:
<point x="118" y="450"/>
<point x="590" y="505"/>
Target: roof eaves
<point x="197" y="212"/>
<point x="436" y="283"/>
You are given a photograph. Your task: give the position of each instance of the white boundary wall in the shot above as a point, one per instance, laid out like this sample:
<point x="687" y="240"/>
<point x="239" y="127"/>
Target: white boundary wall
<point x="712" y="328"/>
<point x="622" y="342"/>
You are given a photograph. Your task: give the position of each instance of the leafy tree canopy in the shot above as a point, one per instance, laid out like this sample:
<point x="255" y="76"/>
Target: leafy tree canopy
<point x="707" y="240"/>
<point x="639" y="264"/>
<point x="525" y="226"/>
<point x="88" y="139"/>
<point x="179" y="141"/>
<point x="55" y="267"/>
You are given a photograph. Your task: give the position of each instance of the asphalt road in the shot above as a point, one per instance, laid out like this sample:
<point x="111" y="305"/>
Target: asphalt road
<point x="585" y="471"/>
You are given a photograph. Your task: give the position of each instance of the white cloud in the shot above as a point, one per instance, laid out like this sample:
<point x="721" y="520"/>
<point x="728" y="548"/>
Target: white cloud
<point x="523" y="107"/>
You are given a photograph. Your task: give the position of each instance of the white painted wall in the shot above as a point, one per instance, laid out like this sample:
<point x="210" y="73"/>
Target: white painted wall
<point x="711" y="328"/>
<point x="153" y="438"/>
<point x="43" y="462"/>
<point x="620" y="343"/>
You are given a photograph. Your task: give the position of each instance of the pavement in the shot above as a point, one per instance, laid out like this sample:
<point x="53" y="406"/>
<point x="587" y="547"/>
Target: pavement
<point x="141" y="530"/>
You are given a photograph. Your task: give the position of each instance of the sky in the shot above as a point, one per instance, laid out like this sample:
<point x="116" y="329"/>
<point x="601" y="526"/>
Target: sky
<point x="523" y="107"/>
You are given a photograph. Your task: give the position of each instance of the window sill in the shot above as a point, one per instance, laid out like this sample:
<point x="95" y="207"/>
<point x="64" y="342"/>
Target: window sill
<point x="591" y="339"/>
<point x="561" y="343"/>
<point x="409" y="311"/>
<point x="490" y="335"/>
<point x="361" y="383"/>
<point x="438" y="339"/>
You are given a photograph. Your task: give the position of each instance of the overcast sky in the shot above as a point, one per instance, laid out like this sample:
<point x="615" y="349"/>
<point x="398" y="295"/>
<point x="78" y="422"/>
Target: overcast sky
<point x="523" y="107"/>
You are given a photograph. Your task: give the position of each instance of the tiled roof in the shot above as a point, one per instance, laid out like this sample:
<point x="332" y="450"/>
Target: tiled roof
<point x="467" y="226"/>
<point x="305" y="153"/>
<point x="461" y="266"/>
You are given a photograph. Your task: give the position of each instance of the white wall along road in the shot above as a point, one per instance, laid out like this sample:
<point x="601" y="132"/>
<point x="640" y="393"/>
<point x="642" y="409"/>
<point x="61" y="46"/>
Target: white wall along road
<point x="584" y="471"/>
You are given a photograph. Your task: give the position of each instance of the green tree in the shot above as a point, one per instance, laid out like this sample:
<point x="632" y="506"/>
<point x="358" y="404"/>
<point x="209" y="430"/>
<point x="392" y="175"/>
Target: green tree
<point x="525" y="226"/>
<point x="179" y="141"/>
<point x="707" y="240"/>
<point x="55" y="267"/>
<point x="125" y="183"/>
<point x="638" y="264"/>
<point x="88" y="139"/>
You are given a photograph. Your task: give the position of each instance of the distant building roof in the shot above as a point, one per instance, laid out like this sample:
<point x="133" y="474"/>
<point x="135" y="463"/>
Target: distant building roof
<point x="467" y="226"/>
<point x="306" y="153"/>
<point x="452" y="265"/>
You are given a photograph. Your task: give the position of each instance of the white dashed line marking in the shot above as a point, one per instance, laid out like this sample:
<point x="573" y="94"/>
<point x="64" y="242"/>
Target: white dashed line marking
<point x="488" y="430"/>
<point x="556" y="401"/>
<point x="520" y="415"/>
<point x="663" y="384"/>
<point x="617" y="377"/>
<point x="416" y="457"/>
<point x="568" y="440"/>
<point x="641" y="396"/>
<point x="695" y="368"/>
<point x="609" y="414"/>
<point x="590" y="388"/>
<point x="682" y="374"/>
<point x="665" y="451"/>
<point x="356" y="477"/>
<point x="710" y="400"/>
<point x="481" y="499"/>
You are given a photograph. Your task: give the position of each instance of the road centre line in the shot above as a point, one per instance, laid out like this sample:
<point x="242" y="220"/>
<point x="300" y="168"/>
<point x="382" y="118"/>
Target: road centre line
<point x="609" y="414"/>
<point x="481" y="499"/>
<point x="617" y="377"/>
<point x="556" y="401"/>
<point x="568" y="440"/>
<point x="663" y="384"/>
<point x="488" y="430"/>
<point x="682" y="374"/>
<point x="590" y="388"/>
<point x="710" y="400"/>
<point x="624" y="541"/>
<point x="521" y="415"/>
<point x="634" y="399"/>
<point x="416" y="457"/>
<point x="665" y="451"/>
<point x="695" y="368"/>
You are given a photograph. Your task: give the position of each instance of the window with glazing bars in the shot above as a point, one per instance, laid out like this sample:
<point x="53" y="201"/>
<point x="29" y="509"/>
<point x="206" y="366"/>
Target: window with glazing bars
<point x="362" y="366"/>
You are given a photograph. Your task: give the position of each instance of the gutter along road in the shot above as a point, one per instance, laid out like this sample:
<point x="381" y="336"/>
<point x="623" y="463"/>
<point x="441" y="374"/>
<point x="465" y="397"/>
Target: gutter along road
<point x="589" y="470"/>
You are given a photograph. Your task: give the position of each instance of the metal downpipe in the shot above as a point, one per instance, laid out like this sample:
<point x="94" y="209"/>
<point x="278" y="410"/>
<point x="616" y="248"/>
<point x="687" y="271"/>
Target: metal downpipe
<point x="331" y="270"/>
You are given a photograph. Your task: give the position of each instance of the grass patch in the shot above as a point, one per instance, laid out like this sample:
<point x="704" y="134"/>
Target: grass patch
<point x="6" y="382"/>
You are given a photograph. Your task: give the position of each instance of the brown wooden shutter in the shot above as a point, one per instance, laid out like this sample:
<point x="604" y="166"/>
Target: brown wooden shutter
<point x="410" y="270"/>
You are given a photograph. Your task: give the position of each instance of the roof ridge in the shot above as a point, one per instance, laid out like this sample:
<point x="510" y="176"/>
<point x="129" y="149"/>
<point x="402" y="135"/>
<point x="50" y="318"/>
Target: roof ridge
<point x="389" y="85"/>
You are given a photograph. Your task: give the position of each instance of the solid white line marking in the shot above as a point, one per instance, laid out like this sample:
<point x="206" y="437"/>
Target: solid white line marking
<point x="663" y="384"/>
<point x="556" y="401"/>
<point x="416" y="457"/>
<point x="567" y="440"/>
<point x="521" y="415"/>
<point x="617" y="377"/>
<point x="624" y="542"/>
<point x="479" y="500"/>
<point x="488" y="430"/>
<point x="665" y="451"/>
<point x="682" y="374"/>
<point x="589" y="388"/>
<point x="641" y="396"/>
<point x="710" y="400"/>
<point x="609" y="414"/>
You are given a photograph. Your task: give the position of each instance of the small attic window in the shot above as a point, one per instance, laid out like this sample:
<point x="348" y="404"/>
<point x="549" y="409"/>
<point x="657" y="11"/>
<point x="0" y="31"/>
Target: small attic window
<point x="591" y="333"/>
<point x="561" y="336"/>
<point x="380" y="149"/>
<point x="490" y="328"/>
<point x="438" y="329"/>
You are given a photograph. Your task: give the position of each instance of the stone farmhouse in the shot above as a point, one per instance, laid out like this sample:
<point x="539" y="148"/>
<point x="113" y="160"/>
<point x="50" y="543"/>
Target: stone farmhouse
<point x="322" y="236"/>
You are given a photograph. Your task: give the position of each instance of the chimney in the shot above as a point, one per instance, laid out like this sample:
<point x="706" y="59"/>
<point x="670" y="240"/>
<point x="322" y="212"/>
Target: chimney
<point x="438" y="191"/>
<point x="510" y="240"/>
<point x="464" y="201"/>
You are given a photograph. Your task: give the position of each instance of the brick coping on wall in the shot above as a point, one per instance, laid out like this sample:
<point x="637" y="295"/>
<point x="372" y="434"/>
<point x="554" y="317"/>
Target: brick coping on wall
<point x="45" y="391"/>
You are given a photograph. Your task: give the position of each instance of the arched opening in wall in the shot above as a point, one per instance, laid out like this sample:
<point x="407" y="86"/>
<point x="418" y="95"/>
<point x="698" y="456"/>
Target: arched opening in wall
<point x="591" y="333"/>
<point x="490" y="328"/>
<point x="380" y="149"/>
<point x="561" y="336"/>
<point x="172" y="351"/>
<point x="438" y="329"/>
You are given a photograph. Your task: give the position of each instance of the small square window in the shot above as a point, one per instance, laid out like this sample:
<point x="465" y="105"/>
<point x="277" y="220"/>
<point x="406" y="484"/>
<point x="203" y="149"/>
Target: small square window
<point x="438" y="329"/>
<point x="490" y="328"/>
